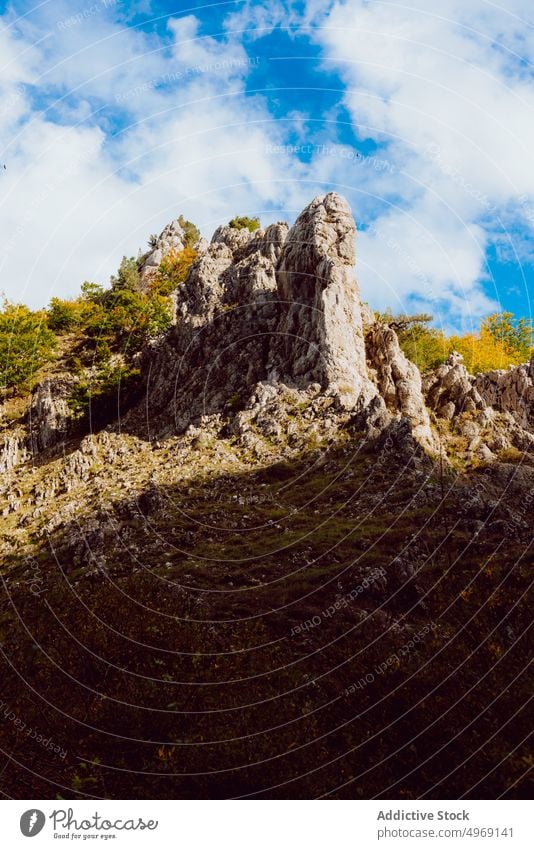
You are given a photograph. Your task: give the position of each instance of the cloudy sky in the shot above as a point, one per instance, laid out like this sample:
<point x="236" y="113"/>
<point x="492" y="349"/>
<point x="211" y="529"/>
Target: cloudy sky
<point x="116" y="117"/>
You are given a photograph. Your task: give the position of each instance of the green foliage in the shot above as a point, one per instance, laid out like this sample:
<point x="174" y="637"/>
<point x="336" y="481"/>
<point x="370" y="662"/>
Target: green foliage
<point x="403" y="322"/>
<point x="93" y="292"/>
<point x="127" y="277"/>
<point x="516" y="335"/>
<point x="192" y="233"/>
<point x="63" y="315"/>
<point x="424" y="346"/>
<point x="67" y="315"/>
<point x="243" y="222"/>
<point x="501" y="341"/>
<point x="103" y="391"/>
<point x="26" y="344"/>
<point x="126" y="320"/>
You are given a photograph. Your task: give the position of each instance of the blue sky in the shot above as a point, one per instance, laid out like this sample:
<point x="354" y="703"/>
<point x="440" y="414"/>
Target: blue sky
<point x="116" y="117"/>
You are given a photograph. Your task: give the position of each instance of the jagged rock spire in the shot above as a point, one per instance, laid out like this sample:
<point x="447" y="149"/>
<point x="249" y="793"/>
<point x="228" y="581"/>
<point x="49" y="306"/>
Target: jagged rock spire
<point x="321" y="316"/>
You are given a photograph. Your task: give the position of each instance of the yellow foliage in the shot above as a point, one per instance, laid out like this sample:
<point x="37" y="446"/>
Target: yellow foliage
<point x="482" y="352"/>
<point x="173" y="270"/>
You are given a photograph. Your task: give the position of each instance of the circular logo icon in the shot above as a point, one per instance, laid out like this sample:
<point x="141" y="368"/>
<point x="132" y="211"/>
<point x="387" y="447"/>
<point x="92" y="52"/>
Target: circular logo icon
<point x="32" y="822"/>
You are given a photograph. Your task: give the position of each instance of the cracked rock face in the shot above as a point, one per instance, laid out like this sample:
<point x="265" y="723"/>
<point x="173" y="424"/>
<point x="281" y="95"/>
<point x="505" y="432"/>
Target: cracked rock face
<point x="510" y="391"/>
<point x="321" y="318"/>
<point x="269" y="306"/>
<point x="271" y="341"/>
<point x="450" y="390"/>
<point x="12" y="452"/>
<point x="399" y="382"/>
<point x="49" y="415"/>
<point x="172" y="237"/>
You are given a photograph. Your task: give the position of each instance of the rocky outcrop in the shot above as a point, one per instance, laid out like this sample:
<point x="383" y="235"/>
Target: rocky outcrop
<point x="492" y="412"/>
<point x="226" y="312"/>
<point x="399" y="382"/>
<point x="451" y="390"/>
<point x="172" y="237"/>
<point x="510" y="391"/>
<point x="49" y="415"/>
<point x="278" y="311"/>
<point x="267" y="307"/>
<point x="320" y="328"/>
<point x="271" y="322"/>
<point x="13" y="451"/>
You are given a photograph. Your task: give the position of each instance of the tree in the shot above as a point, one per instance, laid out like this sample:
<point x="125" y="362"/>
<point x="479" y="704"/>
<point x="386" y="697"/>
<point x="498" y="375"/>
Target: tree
<point x="127" y="277"/>
<point x="191" y="231"/>
<point x="243" y="222"/>
<point x="172" y="271"/>
<point x="63" y="315"/>
<point x="483" y="352"/>
<point x="94" y="292"/>
<point x="132" y="318"/>
<point x="26" y="344"/>
<point x="516" y="335"/>
<point x="425" y="346"/>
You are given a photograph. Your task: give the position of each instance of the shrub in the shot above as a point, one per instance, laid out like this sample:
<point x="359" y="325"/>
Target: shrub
<point x="192" y="233"/>
<point x="511" y="455"/>
<point x="127" y="277"/>
<point x="243" y="222"/>
<point x="26" y="344"/>
<point x="172" y="271"/>
<point x="66" y="315"/>
<point x="93" y="292"/>
<point x="516" y="335"/>
<point x="483" y="352"/>
<point x="131" y="317"/>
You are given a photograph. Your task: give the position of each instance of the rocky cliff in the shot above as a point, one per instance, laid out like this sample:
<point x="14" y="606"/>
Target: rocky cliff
<point x="279" y="310"/>
<point x="289" y="558"/>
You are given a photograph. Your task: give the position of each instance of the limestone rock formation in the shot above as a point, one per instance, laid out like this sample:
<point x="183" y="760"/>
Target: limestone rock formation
<point x="13" y="451"/>
<point x="49" y="415"/>
<point x="270" y="306"/>
<point x="399" y="382"/>
<point x="172" y="237"/>
<point x="321" y="319"/>
<point x="450" y="389"/>
<point x="271" y="322"/>
<point x="510" y="391"/>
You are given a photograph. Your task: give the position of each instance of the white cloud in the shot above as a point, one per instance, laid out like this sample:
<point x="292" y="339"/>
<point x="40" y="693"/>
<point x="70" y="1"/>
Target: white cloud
<point x="448" y="91"/>
<point x="111" y="131"/>
<point x="83" y="187"/>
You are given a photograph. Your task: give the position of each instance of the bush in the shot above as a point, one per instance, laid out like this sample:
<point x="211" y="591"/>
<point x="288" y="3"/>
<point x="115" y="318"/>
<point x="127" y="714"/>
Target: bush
<point x="483" y="352"/>
<point x="26" y="344"/>
<point x="500" y="343"/>
<point x="64" y="315"/>
<point x="93" y="292"/>
<point x="515" y="335"/>
<point x="192" y="233"/>
<point x="131" y="317"/>
<point x="511" y="455"/>
<point x="127" y="277"/>
<point x="172" y="271"/>
<point x="243" y="222"/>
<point x="424" y="346"/>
